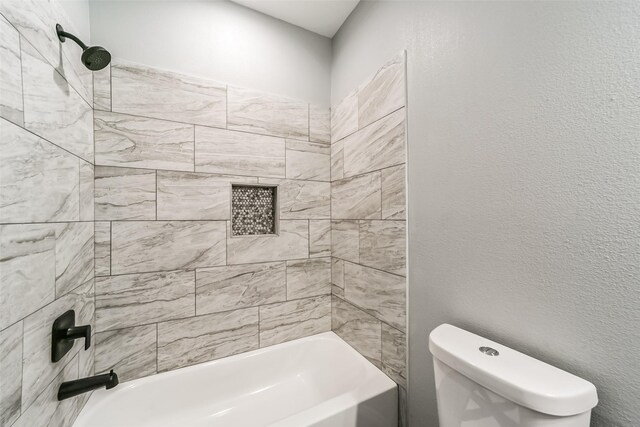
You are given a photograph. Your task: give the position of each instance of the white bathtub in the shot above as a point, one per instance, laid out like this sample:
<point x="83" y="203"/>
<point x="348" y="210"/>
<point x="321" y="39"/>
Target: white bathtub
<point x="315" y="381"/>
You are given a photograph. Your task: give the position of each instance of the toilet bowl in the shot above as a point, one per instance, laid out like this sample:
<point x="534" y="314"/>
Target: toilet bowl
<point x="480" y="383"/>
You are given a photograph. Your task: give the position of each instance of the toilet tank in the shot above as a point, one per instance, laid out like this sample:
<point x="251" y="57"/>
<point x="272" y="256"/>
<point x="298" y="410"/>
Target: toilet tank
<point x="480" y="383"/>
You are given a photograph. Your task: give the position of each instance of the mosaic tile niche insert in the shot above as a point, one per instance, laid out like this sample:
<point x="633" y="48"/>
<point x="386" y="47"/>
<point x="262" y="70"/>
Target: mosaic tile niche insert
<point x="253" y="210"/>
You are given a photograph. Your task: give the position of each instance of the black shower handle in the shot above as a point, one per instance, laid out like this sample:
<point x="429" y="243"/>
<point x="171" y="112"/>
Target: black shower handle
<point x="76" y="332"/>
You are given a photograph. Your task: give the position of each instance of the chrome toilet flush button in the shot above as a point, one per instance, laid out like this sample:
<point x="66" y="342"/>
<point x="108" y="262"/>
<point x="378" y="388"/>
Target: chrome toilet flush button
<point x="489" y="351"/>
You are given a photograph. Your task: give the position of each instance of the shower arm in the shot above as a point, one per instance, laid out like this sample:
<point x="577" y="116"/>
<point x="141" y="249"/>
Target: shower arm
<point x="63" y="35"/>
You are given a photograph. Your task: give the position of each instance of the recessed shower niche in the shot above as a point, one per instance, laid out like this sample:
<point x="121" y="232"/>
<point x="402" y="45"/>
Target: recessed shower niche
<point x="253" y="210"/>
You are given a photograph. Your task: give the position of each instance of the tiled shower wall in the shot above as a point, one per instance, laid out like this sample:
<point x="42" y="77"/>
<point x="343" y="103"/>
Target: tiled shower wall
<point x="46" y="212"/>
<point x="173" y="286"/>
<point x="368" y="227"/>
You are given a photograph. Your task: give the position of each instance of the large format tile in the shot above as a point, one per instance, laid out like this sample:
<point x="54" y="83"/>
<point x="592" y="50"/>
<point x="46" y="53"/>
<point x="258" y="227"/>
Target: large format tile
<point x="345" y="241"/>
<point x="139" y="299"/>
<point x="393" y="193"/>
<point x="337" y="272"/>
<point x="11" y="373"/>
<point x="10" y="74"/>
<point x="238" y="153"/>
<point x="357" y="198"/>
<point x="131" y="352"/>
<point x="87" y="191"/>
<point x="36" y="21"/>
<point x="377" y="146"/>
<point x="306" y="160"/>
<point x="102" y="249"/>
<point x="196" y="196"/>
<point x="319" y="238"/>
<point x="383" y="245"/>
<point x="203" y="338"/>
<point x="74" y="255"/>
<point x="394" y="354"/>
<point x="38" y="181"/>
<point x="53" y="109"/>
<point x="381" y="294"/>
<point x="292" y="242"/>
<point x="150" y="92"/>
<point x="308" y="278"/>
<point x="337" y="160"/>
<point x="46" y="409"/>
<point x="344" y="117"/>
<point x="38" y="371"/>
<point x="102" y="89"/>
<point x="143" y="246"/>
<point x="303" y="199"/>
<point x="131" y="141"/>
<point x="286" y="321"/>
<point x="360" y="330"/>
<point x="124" y="193"/>
<point x="319" y="124"/>
<point x="239" y="286"/>
<point x="266" y="114"/>
<point x="26" y="289"/>
<point x="383" y="93"/>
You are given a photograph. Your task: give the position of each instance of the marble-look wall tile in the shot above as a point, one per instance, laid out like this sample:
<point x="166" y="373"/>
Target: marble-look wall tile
<point x="47" y="410"/>
<point x="345" y="241"/>
<point x="38" y="371"/>
<point x="38" y="181"/>
<point x="124" y="193"/>
<point x="344" y="117"/>
<point x="35" y="20"/>
<point x="377" y="146"/>
<point x="383" y="245"/>
<point x="359" y="329"/>
<point x="131" y="352"/>
<point x="102" y="89"/>
<point x="149" y="92"/>
<point x="402" y="407"/>
<point x="238" y="153"/>
<point x="393" y="193"/>
<point x="337" y="272"/>
<point x="394" y="356"/>
<point x="26" y="289"/>
<point x="130" y="141"/>
<point x="196" y="196"/>
<point x="200" y="339"/>
<point x="319" y="124"/>
<point x="87" y="191"/>
<point x="337" y="291"/>
<point x="74" y="255"/>
<point x="142" y="246"/>
<point x="10" y="74"/>
<point x="292" y="242"/>
<point x="266" y="114"/>
<point x="239" y="286"/>
<point x="381" y="294"/>
<point x="308" y="278"/>
<point x="52" y="108"/>
<point x="11" y="373"/>
<point x="337" y="161"/>
<point x="319" y="238"/>
<point x="302" y="199"/>
<point x="357" y="198"/>
<point x="383" y="93"/>
<point x="295" y="319"/>
<point x="139" y="299"/>
<point x="306" y="160"/>
<point x="102" y="248"/>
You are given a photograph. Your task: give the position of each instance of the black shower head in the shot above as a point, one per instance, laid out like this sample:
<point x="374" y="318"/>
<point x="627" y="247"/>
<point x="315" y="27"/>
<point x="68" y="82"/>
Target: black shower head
<point x="93" y="57"/>
<point x="96" y="58"/>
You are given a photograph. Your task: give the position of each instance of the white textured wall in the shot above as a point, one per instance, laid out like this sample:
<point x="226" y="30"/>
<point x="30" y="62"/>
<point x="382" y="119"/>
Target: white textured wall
<point x="524" y="180"/>
<point x="217" y="40"/>
<point x="78" y="13"/>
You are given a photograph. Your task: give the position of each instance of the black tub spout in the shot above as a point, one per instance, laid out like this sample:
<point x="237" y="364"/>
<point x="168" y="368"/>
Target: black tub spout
<point x="73" y="388"/>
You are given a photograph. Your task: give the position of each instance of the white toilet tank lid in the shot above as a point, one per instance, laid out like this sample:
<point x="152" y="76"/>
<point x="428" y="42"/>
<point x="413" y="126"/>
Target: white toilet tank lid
<point x="511" y="374"/>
